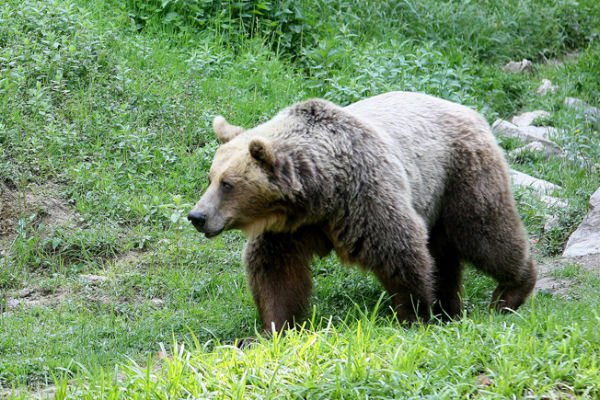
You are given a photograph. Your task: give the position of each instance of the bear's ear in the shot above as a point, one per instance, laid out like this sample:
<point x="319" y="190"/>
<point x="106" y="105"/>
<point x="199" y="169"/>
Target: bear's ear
<point x="224" y="130"/>
<point x="262" y="152"/>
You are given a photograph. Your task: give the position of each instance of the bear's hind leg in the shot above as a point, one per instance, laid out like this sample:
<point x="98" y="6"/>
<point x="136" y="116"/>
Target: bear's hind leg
<point x="484" y="226"/>
<point x="277" y="267"/>
<point x="447" y="274"/>
<point x="499" y="248"/>
<point x="510" y="295"/>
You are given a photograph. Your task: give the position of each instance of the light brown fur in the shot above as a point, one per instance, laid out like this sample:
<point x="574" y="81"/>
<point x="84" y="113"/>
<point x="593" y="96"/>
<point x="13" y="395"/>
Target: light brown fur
<point x="404" y="185"/>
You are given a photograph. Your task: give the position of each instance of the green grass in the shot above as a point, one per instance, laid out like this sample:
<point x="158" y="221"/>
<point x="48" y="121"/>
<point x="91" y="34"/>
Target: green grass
<point x="537" y="352"/>
<point x="106" y="108"/>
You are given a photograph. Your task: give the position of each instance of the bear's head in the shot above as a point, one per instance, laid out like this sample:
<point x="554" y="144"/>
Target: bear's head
<point x="248" y="183"/>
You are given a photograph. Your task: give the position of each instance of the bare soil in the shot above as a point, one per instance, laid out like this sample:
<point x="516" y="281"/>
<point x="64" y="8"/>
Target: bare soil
<point x="37" y="205"/>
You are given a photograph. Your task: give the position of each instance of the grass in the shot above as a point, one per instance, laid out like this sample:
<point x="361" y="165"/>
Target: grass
<point x="105" y="108"/>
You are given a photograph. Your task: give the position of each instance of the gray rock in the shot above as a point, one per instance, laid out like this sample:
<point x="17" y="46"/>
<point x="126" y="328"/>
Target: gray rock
<point x="527" y="134"/>
<point x="551" y="221"/>
<point x="546" y="87"/>
<point x="157" y="302"/>
<point x="553" y="202"/>
<point x="13" y="303"/>
<point x="586" y="239"/>
<point x="527" y="118"/>
<point x="25" y="292"/>
<point x="93" y="279"/>
<point x="536" y="147"/>
<point x="538" y="186"/>
<point x="539" y="132"/>
<point x="519" y="66"/>
<point x="540" y="189"/>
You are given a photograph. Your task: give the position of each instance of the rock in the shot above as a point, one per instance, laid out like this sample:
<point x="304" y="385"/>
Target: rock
<point x="536" y="147"/>
<point x="13" y="303"/>
<point x="579" y="104"/>
<point x="553" y="202"/>
<point x="532" y="147"/>
<point x="157" y="302"/>
<point x="551" y="221"/>
<point x="527" y="118"/>
<point x="586" y="239"/>
<point x="538" y="132"/>
<point x="539" y="186"/>
<point x="93" y="279"/>
<point x="519" y="66"/>
<point x="25" y="292"/>
<point x="527" y="134"/>
<point x="540" y="189"/>
<point x="546" y="87"/>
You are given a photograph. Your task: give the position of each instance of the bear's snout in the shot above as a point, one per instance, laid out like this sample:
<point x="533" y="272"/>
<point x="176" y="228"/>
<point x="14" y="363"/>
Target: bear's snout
<point x="197" y="218"/>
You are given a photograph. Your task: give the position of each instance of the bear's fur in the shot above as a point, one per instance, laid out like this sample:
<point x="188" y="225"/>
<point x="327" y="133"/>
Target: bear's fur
<point x="405" y="185"/>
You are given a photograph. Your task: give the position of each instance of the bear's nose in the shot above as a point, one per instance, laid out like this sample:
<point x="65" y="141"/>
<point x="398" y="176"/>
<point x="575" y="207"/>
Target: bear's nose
<point x="197" y="218"/>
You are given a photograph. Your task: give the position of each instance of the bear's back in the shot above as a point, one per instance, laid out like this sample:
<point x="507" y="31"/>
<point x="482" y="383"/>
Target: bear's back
<point x="421" y="131"/>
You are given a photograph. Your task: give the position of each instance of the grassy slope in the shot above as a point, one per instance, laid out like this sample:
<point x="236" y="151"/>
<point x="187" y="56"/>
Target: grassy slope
<point x="120" y="120"/>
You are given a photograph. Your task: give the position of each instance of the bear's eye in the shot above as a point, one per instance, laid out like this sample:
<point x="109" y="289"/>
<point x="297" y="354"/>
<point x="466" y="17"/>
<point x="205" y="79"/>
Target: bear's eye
<point x="226" y="186"/>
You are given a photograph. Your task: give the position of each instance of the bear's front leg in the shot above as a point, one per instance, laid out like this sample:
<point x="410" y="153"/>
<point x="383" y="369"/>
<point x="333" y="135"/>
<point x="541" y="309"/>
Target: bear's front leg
<point x="395" y="250"/>
<point x="277" y="268"/>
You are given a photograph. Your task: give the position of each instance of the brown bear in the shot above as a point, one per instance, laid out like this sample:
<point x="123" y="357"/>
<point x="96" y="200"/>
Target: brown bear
<point x="404" y="185"/>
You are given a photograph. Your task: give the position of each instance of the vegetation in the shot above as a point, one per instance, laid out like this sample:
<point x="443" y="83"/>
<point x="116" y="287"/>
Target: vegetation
<point x="105" y="112"/>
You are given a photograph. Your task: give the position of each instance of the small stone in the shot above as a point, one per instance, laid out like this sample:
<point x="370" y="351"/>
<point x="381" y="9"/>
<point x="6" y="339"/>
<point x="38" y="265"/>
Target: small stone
<point x="546" y="87"/>
<point x="13" y="303"/>
<point x="551" y="222"/>
<point x="157" y="302"/>
<point x="527" y="118"/>
<point x="519" y="66"/>
<point x="93" y="278"/>
<point x="25" y="292"/>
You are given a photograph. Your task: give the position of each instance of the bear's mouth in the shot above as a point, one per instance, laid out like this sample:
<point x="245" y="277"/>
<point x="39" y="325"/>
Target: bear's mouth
<point x="209" y="234"/>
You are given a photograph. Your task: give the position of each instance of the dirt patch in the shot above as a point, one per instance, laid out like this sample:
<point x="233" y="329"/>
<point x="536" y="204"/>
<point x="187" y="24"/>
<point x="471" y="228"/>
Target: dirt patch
<point x="549" y="284"/>
<point x="37" y="205"/>
<point x="43" y="393"/>
<point x="590" y="262"/>
<point x="553" y="286"/>
<point x="30" y="297"/>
